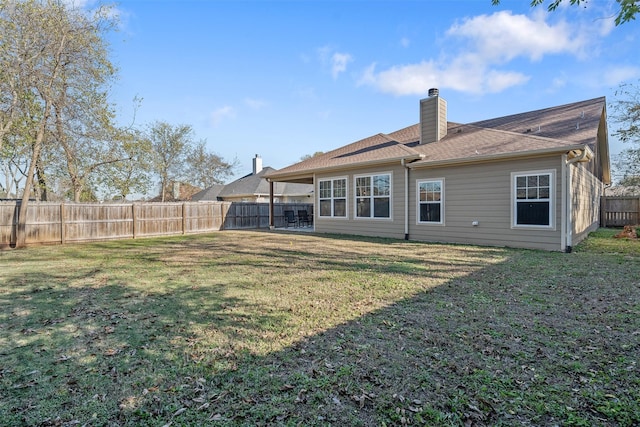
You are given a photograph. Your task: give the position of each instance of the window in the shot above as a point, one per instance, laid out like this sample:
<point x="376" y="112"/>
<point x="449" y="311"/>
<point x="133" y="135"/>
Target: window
<point x="430" y="201"/>
<point x="373" y="196"/>
<point x="533" y="196"/>
<point x="332" y="195"/>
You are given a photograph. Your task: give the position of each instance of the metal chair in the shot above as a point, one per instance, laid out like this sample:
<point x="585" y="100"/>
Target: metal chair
<point x="290" y="218"/>
<point x="303" y="218"/>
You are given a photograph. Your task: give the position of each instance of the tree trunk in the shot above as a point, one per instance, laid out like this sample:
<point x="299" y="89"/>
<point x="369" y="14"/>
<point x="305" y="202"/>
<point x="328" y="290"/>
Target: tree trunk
<point x="42" y="182"/>
<point x="21" y="226"/>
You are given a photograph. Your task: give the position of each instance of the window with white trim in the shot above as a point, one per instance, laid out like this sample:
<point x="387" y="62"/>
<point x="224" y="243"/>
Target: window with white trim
<point x="373" y="196"/>
<point x="431" y="201"/>
<point x="332" y="197"/>
<point x="533" y="199"/>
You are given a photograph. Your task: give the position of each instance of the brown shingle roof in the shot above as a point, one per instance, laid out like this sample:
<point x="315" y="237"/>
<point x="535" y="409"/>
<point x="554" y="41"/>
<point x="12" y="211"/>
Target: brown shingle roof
<point x="551" y="129"/>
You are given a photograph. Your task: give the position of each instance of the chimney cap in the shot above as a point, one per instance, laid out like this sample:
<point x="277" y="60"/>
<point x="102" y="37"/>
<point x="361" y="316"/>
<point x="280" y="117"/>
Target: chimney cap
<point x="433" y="92"/>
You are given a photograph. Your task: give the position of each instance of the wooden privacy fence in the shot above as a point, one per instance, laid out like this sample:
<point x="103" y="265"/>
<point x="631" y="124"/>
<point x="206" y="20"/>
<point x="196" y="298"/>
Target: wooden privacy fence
<point x="619" y="211"/>
<point x="49" y="223"/>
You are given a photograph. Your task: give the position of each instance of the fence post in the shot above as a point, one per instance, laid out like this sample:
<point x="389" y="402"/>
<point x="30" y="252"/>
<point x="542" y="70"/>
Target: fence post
<point x="184" y="217"/>
<point x="134" y="220"/>
<point x="62" y="226"/>
<point x="13" y="240"/>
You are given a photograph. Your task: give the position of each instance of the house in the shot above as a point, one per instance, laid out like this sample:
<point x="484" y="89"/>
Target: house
<point x="176" y="191"/>
<point x="255" y="188"/>
<point x="530" y="180"/>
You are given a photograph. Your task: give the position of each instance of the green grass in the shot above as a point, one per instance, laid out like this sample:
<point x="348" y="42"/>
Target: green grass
<point x="259" y="328"/>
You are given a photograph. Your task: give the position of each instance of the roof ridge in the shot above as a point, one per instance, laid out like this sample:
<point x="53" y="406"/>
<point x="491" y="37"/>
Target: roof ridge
<point x="540" y="110"/>
<point x="519" y="134"/>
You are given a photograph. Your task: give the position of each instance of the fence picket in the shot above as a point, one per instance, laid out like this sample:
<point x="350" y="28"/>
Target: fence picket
<point x="49" y="222"/>
<point x="618" y="211"/>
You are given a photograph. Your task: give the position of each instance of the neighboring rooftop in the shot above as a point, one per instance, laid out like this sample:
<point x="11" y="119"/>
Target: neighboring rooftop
<point x="252" y="185"/>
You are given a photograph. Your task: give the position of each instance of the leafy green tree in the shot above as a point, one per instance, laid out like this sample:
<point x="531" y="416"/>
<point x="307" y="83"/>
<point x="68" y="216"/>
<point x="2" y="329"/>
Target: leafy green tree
<point x="55" y="71"/>
<point x="177" y="157"/>
<point x="626" y="113"/>
<point x="311" y="156"/>
<point x="171" y="145"/>
<point x="627" y="12"/>
<point x="132" y="173"/>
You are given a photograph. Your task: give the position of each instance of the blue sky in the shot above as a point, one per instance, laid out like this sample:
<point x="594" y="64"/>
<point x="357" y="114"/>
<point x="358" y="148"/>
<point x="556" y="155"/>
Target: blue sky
<point x="287" y="78"/>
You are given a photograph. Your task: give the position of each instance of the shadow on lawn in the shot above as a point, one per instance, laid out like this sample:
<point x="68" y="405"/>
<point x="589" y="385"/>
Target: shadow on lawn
<point x="102" y="353"/>
<point x="476" y="351"/>
<point x="551" y="344"/>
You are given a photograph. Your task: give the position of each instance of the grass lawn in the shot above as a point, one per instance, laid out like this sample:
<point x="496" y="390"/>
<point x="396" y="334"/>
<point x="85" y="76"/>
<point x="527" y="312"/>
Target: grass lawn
<point x="260" y="328"/>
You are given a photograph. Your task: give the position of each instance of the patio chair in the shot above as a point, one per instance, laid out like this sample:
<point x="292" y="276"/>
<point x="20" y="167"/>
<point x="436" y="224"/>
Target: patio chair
<point x="303" y="218"/>
<point x="290" y="218"/>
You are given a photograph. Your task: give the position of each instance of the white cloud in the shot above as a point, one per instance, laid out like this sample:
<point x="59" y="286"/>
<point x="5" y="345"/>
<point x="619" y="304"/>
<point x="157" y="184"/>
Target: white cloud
<point x="255" y="104"/>
<point x="557" y="83"/>
<point x="339" y="63"/>
<point x="222" y="113"/>
<point x="616" y="75"/>
<point x="464" y="74"/>
<point x="502" y="36"/>
<point x="477" y="51"/>
<point x="307" y="93"/>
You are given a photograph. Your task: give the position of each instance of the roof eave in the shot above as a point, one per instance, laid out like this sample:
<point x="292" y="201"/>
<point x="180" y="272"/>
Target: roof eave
<point x="310" y="172"/>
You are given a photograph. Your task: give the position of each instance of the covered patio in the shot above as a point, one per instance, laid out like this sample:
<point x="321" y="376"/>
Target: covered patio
<point x="293" y="219"/>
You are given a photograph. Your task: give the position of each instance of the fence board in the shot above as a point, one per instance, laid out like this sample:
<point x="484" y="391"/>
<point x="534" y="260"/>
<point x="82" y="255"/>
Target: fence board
<point x="618" y="211"/>
<point x="80" y="222"/>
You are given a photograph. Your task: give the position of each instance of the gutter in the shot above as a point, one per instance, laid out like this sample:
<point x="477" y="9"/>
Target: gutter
<point x="499" y="156"/>
<point x="276" y="176"/>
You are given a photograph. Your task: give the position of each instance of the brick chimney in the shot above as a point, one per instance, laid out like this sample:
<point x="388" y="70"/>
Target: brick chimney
<point x="257" y="164"/>
<point x="433" y="118"/>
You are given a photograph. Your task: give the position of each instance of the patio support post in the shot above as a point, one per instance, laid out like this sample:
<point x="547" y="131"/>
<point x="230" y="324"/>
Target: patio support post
<point x="271" y="220"/>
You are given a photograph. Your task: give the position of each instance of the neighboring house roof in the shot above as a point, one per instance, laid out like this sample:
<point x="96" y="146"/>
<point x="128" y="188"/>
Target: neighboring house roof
<point x="210" y="193"/>
<point x="176" y="191"/>
<point x="252" y="185"/>
<point x="556" y="129"/>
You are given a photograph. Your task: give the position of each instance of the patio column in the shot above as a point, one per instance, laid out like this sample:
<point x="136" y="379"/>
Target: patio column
<point x="271" y="219"/>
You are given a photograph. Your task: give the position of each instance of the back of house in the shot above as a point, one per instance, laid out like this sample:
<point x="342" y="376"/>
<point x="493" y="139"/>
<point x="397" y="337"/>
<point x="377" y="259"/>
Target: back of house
<point x="530" y="180"/>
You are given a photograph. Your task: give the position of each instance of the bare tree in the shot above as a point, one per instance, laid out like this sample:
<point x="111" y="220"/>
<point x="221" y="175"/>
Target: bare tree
<point x="205" y="168"/>
<point x="171" y="146"/>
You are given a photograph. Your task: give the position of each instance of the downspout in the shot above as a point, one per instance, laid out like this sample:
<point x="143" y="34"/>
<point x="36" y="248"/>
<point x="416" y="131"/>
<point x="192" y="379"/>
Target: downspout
<point x="564" y="203"/>
<point x="568" y="223"/>
<point x="406" y="199"/>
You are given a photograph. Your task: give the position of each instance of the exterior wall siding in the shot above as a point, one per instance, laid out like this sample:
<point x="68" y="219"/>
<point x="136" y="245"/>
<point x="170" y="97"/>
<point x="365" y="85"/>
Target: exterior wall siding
<point x="382" y="227"/>
<point x="585" y="205"/>
<point x="477" y="192"/>
<point x="482" y="192"/>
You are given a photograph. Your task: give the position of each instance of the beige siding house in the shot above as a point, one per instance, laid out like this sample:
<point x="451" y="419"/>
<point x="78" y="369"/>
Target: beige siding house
<point x="530" y="180"/>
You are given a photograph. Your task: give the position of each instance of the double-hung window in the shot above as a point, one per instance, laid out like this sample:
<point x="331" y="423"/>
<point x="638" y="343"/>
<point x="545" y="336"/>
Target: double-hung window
<point x="332" y="195"/>
<point x="533" y="199"/>
<point x="373" y="196"/>
<point x="431" y="201"/>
